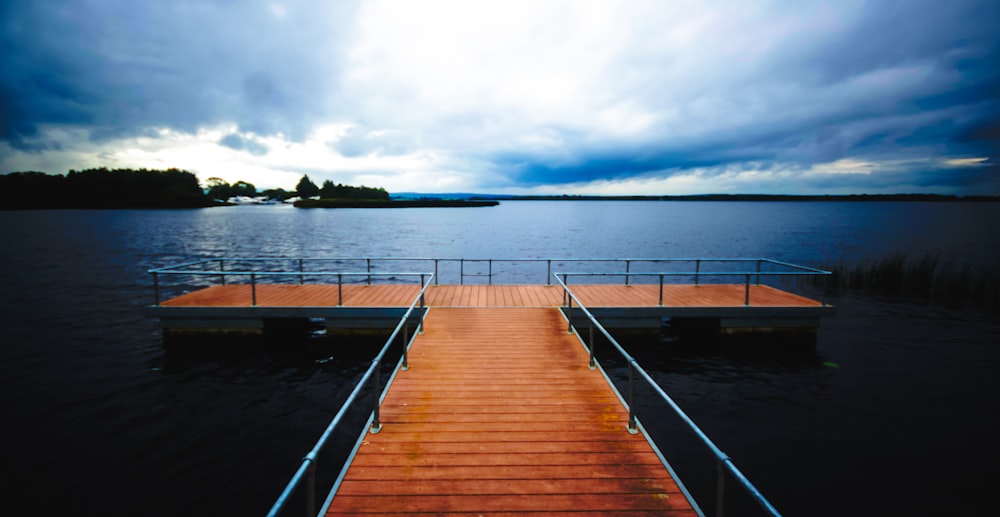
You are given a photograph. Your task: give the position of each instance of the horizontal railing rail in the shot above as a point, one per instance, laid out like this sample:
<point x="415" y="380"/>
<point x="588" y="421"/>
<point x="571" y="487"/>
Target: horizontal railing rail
<point x="307" y="265"/>
<point x="724" y="463"/>
<point x="307" y="469"/>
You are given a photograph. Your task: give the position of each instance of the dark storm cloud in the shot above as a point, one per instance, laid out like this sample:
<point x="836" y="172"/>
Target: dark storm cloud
<point x="901" y="78"/>
<point x="119" y="67"/>
<point x="234" y="141"/>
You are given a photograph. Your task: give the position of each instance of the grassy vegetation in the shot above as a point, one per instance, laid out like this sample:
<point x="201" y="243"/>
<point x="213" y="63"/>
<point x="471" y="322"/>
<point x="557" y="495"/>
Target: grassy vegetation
<point x="926" y="278"/>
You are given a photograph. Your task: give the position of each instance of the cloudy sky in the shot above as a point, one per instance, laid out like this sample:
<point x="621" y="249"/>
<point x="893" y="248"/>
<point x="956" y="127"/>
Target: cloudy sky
<point x="601" y="97"/>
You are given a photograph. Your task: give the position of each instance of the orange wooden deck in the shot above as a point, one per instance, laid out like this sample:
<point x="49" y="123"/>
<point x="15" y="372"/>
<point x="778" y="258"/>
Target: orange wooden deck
<point x="401" y="295"/>
<point x="499" y="414"/>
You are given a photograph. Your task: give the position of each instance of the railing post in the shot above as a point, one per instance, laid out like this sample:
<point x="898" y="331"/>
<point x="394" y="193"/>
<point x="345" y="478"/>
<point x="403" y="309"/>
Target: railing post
<point x="376" y="423"/>
<point x="720" y="488"/>
<point x="746" y="299"/>
<point x="406" y="340"/>
<point x="302" y="278"/>
<point x="697" y="270"/>
<point x="222" y="268"/>
<point x="661" y="289"/>
<point x="632" y="427"/>
<point x="628" y="265"/>
<point x="421" y="291"/>
<point x="253" y="289"/>
<point x="592" y="364"/>
<point x="490" y="276"/>
<point x="156" y="289"/>
<point x="311" y="489"/>
<point x="340" y="289"/>
<point x="548" y="275"/>
<point x="461" y="271"/>
<point x="435" y="271"/>
<point x="569" y="313"/>
<point x="368" y="262"/>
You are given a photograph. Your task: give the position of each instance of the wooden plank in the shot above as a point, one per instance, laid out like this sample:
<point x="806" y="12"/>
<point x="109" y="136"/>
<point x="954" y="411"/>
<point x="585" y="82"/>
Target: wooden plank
<point x="499" y="413"/>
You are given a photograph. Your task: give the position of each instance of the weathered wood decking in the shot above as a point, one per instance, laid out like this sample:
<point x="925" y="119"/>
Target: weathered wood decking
<point x="499" y="414"/>
<point x="401" y="295"/>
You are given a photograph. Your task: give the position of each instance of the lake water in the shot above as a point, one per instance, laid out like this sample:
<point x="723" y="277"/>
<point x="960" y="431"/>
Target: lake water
<point x="893" y="415"/>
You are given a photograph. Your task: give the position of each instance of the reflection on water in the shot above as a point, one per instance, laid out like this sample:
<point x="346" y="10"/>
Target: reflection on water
<point x="98" y="416"/>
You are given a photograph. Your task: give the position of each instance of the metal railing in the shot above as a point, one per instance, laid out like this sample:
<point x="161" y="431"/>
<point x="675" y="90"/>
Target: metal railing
<point x="724" y="463"/>
<point x="697" y="274"/>
<point x="302" y="267"/>
<point x="307" y="470"/>
<point x="255" y="275"/>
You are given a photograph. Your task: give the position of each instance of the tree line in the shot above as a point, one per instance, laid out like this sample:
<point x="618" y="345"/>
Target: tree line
<point x="146" y="188"/>
<point x="102" y="188"/>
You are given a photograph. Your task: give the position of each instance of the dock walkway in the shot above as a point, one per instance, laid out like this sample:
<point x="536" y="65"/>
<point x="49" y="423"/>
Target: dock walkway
<point x="498" y="413"/>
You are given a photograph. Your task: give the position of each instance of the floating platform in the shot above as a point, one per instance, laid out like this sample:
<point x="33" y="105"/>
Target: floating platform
<point x="242" y="308"/>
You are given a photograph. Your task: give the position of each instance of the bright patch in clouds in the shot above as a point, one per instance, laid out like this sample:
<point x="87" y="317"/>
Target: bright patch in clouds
<point x="641" y="97"/>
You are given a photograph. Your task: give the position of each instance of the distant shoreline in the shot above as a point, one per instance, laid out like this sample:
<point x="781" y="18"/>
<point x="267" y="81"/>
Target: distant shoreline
<point x="415" y="203"/>
<point x="750" y="197"/>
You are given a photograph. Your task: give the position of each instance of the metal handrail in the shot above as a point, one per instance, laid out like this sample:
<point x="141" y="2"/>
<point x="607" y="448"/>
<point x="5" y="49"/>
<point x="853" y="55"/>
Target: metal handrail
<point x="309" y="461"/>
<point x="627" y="262"/>
<point x="724" y="462"/>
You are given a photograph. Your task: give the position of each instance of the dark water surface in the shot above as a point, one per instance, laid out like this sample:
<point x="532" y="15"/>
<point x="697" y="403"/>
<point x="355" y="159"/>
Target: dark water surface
<point x="895" y="414"/>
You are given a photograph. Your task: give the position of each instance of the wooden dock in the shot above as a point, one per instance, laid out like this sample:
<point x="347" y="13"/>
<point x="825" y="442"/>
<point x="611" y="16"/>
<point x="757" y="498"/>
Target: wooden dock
<point x="360" y="308"/>
<point x="401" y="295"/>
<point x="499" y="414"/>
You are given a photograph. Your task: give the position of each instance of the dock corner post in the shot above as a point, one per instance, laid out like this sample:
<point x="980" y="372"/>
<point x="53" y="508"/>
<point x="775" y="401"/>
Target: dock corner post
<point x="746" y="299"/>
<point x="340" y="289"/>
<point x="253" y="289"/>
<point x="592" y="364"/>
<point x="661" y="289"/>
<point x="376" y="423"/>
<point x="156" y="289"/>
<point x="633" y="428"/>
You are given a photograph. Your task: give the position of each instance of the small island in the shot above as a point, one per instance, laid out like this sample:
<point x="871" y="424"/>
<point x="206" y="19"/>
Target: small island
<point x="346" y="196"/>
